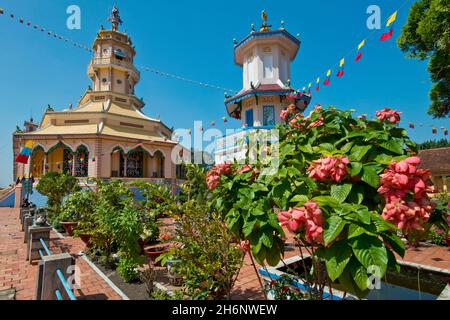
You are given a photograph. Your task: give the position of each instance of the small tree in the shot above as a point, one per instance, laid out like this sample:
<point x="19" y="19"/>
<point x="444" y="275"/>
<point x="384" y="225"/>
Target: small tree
<point x="209" y="259"/>
<point x="56" y="186"/>
<point x="426" y="35"/>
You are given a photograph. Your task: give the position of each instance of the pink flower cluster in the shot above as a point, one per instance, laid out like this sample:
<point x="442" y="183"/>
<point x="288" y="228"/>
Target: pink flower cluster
<point x="213" y="175"/>
<point x="406" y="189"/>
<point x="299" y="121"/>
<point x="287" y="113"/>
<point x="329" y="169"/>
<point x="308" y="218"/>
<point x="388" y="115"/>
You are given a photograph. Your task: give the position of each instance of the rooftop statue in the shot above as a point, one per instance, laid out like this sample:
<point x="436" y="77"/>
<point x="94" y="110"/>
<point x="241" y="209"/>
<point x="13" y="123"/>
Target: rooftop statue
<point x="115" y="19"/>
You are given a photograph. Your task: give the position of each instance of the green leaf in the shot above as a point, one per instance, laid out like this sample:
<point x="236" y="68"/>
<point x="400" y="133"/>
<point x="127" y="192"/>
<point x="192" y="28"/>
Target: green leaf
<point x="326" y="201"/>
<point x="300" y="198"/>
<point x="370" y="251"/>
<point x="395" y="242"/>
<point x="306" y="148"/>
<point x="364" y="216"/>
<point x="393" y="145"/>
<point x="354" y="231"/>
<point x="347" y="147"/>
<point x="333" y="228"/>
<point x="337" y="258"/>
<point x="358" y="152"/>
<point x="267" y="240"/>
<point x="355" y="168"/>
<point x="248" y="227"/>
<point x="359" y="274"/>
<point x="327" y="146"/>
<point x="370" y="176"/>
<point x="341" y="192"/>
<point x="346" y="280"/>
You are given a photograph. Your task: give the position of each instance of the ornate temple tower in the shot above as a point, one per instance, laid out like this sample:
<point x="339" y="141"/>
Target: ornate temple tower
<point x="106" y="134"/>
<point x="112" y="67"/>
<point x="265" y="57"/>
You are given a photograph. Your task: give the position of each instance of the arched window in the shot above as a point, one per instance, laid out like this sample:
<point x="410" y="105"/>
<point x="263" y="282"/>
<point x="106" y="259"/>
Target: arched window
<point x="135" y="163"/>
<point x="81" y="162"/>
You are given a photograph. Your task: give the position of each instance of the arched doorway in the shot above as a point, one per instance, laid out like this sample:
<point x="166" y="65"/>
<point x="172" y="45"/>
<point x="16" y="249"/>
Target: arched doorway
<point x="60" y="159"/>
<point x="135" y="163"/>
<point x="117" y="162"/>
<point x="37" y="162"/>
<point x="81" y="162"/>
<point x="158" y="165"/>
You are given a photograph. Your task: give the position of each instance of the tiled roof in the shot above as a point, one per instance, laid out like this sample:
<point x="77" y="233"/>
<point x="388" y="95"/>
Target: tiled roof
<point x="437" y="160"/>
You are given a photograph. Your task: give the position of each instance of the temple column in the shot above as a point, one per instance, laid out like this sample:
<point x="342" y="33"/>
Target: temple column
<point x="44" y="169"/>
<point x="73" y="164"/>
<point x="125" y="164"/>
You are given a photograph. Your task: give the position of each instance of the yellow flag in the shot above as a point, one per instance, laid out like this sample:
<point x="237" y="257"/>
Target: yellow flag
<point x="309" y="85"/>
<point x="329" y="73"/>
<point x="342" y="62"/>
<point x="391" y="19"/>
<point x="318" y="80"/>
<point x="361" y="44"/>
<point x="29" y="144"/>
<point x="304" y="88"/>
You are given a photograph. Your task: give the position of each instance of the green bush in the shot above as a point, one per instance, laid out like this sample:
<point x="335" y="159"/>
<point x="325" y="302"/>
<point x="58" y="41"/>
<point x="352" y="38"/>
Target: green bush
<point x="209" y="260"/>
<point x="56" y="186"/>
<point x="78" y="206"/>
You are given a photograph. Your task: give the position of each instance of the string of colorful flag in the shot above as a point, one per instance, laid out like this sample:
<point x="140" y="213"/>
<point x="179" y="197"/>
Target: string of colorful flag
<point x="386" y="35"/>
<point x="76" y="44"/>
<point x="327" y="81"/>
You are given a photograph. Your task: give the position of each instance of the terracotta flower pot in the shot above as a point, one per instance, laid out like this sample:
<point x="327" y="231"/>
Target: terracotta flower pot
<point x="69" y="227"/>
<point x="86" y="238"/>
<point x="448" y="242"/>
<point x="153" y="252"/>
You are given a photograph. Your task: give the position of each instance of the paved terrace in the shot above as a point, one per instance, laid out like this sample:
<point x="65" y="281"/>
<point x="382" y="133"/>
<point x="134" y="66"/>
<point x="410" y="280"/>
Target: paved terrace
<point x="16" y="272"/>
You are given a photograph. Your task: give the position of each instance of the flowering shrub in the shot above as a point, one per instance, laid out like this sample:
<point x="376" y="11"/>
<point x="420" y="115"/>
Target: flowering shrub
<point x="345" y="187"/>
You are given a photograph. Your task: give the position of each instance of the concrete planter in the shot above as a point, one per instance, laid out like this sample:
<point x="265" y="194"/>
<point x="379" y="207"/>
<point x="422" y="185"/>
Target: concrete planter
<point x="69" y="227"/>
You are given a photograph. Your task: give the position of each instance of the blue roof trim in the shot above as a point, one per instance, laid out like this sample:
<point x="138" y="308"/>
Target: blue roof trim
<point x="257" y="93"/>
<point x="267" y="34"/>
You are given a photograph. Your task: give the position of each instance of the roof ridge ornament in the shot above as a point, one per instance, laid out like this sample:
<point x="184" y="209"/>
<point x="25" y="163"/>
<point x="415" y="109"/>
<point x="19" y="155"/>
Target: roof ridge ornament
<point x="115" y="19"/>
<point x="265" y="26"/>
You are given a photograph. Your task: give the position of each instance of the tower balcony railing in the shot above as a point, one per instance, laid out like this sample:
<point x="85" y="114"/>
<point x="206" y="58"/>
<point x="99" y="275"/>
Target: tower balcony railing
<point x="234" y="145"/>
<point x="110" y="60"/>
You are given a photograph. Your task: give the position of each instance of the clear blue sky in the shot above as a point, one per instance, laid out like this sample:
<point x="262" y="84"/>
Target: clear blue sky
<point x="194" y="39"/>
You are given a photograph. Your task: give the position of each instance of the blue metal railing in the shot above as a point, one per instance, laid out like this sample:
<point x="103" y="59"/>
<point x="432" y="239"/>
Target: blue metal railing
<point x="58" y="295"/>
<point x="47" y="251"/>
<point x="65" y="285"/>
<point x="59" y="274"/>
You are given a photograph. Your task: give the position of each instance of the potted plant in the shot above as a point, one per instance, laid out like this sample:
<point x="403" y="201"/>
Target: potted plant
<point x="154" y="251"/>
<point x="69" y="221"/>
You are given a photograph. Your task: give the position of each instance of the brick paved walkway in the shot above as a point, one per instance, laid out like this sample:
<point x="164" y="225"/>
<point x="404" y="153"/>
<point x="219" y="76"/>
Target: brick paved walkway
<point x="16" y="272"/>
<point x="247" y="286"/>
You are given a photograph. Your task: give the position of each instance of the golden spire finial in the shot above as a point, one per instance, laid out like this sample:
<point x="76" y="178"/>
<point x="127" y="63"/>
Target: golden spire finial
<point x="265" y="26"/>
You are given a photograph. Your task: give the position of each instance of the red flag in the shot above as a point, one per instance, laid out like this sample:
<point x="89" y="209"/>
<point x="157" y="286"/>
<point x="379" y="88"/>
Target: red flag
<point x="317" y="88"/>
<point x="340" y="73"/>
<point x="326" y="82"/>
<point x="386" y="36"/>
<point x="358" y="57"/>
<point x="309" y="91"/>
